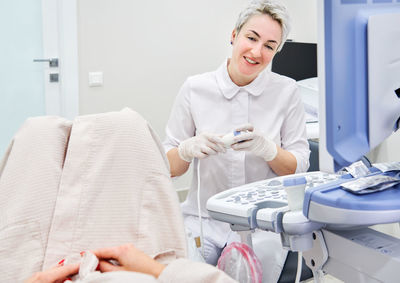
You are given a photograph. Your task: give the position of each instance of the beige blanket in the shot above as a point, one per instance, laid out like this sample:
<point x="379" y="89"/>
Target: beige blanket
<point x="100" y="181"/>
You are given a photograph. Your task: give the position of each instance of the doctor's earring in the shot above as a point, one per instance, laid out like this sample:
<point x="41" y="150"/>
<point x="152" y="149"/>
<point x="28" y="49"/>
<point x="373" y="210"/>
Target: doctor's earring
<point x="231" y="42"/>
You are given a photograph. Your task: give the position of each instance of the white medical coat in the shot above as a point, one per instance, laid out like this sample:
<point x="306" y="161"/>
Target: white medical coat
<point x="211" y="102"/>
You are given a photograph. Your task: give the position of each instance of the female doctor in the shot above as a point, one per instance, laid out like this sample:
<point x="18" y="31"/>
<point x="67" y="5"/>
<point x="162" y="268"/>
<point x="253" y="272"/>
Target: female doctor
<point x="241" y="95"/>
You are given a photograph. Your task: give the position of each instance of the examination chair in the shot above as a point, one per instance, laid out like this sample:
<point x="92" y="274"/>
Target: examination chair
<point x="100" y="181"/>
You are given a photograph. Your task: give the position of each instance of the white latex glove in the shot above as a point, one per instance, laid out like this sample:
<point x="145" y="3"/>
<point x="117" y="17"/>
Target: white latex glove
<point x="200" y="147"/>
<point x="255" y="142"/>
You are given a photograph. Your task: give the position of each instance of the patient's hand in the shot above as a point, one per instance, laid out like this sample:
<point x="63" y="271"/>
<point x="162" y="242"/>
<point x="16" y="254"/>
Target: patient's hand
<point x="55" y="274"/>
<point x="129" y="258"/>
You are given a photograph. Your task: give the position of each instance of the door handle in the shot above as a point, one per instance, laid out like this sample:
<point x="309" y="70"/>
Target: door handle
<point x="53" y="62"/>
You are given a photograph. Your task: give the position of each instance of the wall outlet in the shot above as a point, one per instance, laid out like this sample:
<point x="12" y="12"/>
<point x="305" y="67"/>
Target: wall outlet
<point x="95" y="79"/>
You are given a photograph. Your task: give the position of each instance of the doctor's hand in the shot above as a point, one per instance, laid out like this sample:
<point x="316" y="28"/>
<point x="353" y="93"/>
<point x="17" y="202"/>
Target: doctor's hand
<point x="255" y="142"/>
<point x="129" y="258"/>
<point x="55" y="274"/>
<point x="200" y="146"/>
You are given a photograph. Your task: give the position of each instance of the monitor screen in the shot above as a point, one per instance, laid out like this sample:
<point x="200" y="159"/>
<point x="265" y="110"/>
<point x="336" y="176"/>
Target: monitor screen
<point x="359" y="67"/>
<point x="296" y="60"/>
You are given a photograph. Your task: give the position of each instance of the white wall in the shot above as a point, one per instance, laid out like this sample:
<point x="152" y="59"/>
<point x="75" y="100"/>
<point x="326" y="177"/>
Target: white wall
<point x="146" y="49"/>
<point x="304" y="20"/>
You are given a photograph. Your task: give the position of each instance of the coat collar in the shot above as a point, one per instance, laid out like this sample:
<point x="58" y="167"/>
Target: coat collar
<point x="230" y="89"/>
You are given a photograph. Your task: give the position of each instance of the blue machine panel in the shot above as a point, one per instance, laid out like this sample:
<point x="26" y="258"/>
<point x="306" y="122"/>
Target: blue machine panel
<point x="346" y="77"/>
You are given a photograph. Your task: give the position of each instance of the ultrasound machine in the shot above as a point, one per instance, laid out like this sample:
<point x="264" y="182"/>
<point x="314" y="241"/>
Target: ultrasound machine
<point x="359" y="85"/>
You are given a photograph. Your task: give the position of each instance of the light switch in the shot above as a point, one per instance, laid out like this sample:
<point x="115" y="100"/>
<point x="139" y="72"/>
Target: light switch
<point x="95" y="79"/>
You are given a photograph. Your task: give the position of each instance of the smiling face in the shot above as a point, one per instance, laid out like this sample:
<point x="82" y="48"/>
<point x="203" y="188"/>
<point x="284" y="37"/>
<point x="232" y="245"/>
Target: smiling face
<point x="253" y="48"/>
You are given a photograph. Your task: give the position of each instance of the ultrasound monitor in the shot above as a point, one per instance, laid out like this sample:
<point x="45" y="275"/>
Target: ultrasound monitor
<point x="359" y="77"/>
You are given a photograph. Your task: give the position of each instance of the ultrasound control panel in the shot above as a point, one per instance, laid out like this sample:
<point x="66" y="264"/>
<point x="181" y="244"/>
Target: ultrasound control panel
<point x="240" y="205"/>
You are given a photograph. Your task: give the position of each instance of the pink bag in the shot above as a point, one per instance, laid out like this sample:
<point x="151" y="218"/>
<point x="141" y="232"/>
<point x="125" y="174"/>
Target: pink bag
<point x="240" y="262"/>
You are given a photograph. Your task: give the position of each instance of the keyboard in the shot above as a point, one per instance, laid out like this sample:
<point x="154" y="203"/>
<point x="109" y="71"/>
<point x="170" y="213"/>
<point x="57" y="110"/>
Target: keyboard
<point x="239" y="206"/>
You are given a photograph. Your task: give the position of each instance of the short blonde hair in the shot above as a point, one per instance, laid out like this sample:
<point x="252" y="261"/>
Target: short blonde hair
<point x="276" y="10"/>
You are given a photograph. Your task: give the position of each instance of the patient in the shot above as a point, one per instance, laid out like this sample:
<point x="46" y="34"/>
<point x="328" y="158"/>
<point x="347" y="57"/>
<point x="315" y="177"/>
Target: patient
<point x="135" y="261"/>
<point x="101" y="180"/>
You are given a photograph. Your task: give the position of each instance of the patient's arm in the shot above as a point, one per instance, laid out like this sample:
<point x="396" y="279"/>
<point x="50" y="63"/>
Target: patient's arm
<point x="180" y="270"/>
<point x="129" y="258"/>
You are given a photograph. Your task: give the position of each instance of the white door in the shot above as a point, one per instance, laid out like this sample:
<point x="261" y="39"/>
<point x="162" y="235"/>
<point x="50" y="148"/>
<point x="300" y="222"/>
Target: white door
<point x="36" y="29"/>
